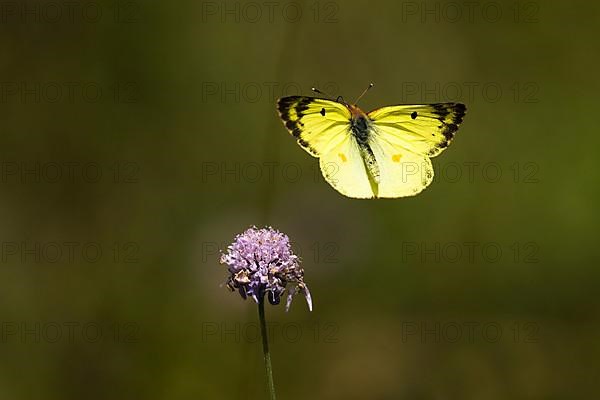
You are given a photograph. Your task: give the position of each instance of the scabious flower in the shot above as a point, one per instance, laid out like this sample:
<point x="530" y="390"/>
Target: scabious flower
<point x="261" y="262"/>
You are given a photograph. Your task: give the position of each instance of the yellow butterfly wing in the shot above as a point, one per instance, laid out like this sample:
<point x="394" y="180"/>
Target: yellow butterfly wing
<point x="322" y="128"/>
<point x="402" y="173"/>
<point x="317" y="124"/>
<point x="423" y="129"/>
<point x="345" y="169"/>
<point x="403" y="138"/>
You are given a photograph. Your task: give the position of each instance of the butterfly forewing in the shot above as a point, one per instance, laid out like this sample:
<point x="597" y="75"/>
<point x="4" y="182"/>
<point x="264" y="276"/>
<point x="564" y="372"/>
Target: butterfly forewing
<point x="424" y="129"/>
<point x="318" y="124"/>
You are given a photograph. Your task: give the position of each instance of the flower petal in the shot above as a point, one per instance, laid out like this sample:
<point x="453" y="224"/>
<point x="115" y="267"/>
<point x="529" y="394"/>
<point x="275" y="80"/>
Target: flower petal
<point x="290" y="296"/>
<point x="304" y="290"/>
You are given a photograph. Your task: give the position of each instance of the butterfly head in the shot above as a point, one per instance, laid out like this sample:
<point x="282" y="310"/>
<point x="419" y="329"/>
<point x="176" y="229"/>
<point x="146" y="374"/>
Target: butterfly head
<point x="358" y="114"/>
<point x="355" y="111"/>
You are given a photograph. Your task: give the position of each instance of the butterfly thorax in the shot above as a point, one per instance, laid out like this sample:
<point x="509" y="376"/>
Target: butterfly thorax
<point x="359" y="124"/>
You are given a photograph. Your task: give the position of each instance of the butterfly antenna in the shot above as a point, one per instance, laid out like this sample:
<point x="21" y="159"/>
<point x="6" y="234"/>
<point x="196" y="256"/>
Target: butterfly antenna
<point x="320" y="92"/>
<point x="364" y="92"/>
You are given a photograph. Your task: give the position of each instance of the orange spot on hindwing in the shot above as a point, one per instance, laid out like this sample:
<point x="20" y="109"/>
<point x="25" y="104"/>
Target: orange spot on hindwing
<point x="342" y="157"/>
<point x="396" y="157"/>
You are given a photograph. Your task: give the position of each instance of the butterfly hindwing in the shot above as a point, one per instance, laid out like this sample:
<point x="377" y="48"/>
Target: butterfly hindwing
<point x="401" y="172"/>
<point x="344" y="168"/>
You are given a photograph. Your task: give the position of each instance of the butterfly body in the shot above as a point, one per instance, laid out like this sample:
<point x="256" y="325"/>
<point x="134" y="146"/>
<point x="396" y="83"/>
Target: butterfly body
<point x="359" y="124"/>
<point x="383" y="153"/>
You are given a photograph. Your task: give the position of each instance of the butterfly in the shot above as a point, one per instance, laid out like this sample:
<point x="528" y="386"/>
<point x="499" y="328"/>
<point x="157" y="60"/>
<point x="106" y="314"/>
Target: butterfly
<point x="384" y="153"/>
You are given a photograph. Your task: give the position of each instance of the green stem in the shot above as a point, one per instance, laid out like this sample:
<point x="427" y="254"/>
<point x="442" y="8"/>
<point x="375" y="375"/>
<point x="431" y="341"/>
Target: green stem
<point x="265" y="342"/>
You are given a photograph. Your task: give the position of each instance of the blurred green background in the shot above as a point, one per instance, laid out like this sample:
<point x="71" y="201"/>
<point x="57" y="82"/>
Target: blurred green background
<point x="140" y="137"/>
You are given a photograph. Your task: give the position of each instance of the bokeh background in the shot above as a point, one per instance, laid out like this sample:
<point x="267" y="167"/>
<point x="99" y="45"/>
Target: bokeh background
<point x="138" y="138"/>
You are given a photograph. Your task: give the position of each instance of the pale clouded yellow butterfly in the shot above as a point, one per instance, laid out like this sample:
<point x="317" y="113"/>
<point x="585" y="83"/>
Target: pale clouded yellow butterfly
<point x="379" y="154"/>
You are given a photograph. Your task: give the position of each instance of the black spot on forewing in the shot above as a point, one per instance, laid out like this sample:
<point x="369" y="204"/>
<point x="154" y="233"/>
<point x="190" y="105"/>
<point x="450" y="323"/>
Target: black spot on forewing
<point x="323" y="111"/>
<point x="413" y="115"/>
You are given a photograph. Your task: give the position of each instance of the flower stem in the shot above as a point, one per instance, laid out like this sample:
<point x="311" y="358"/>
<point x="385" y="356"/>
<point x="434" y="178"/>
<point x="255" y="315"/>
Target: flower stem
<point x="265" y="342"/>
